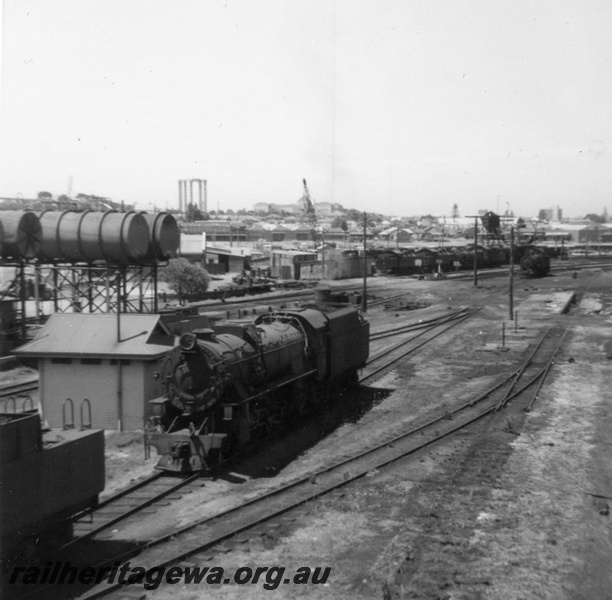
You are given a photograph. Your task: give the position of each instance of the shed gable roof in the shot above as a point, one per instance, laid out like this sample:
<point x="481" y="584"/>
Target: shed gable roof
<point x="95" y="335"/>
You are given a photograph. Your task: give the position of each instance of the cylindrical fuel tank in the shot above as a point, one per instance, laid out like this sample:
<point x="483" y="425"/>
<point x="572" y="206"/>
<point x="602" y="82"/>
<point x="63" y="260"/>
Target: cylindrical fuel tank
<point x="164" y="235"/>
<point x="22" y="234"/>
<point x="49" y="222"/>
<point x="91" y="236"/>
<point x="114" y="236"/>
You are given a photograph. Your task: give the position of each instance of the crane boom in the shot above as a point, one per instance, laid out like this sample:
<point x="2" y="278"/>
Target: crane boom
<point x="310" y="213"/>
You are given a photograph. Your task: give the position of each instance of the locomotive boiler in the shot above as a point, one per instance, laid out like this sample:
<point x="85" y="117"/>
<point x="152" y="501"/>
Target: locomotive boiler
<point x="229" y="384"/>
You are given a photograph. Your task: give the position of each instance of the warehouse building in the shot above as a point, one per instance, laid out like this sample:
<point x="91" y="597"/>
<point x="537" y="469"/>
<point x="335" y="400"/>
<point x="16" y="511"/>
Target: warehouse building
<point x="591" y="233"/>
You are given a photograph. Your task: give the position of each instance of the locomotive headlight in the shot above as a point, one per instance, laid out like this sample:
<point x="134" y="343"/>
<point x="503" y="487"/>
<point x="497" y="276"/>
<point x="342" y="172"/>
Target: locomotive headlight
<point x="188" y="342"/>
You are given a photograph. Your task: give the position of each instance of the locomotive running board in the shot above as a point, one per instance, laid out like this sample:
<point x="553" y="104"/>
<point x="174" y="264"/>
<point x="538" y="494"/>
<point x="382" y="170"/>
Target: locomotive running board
<point x="272" y="388"/>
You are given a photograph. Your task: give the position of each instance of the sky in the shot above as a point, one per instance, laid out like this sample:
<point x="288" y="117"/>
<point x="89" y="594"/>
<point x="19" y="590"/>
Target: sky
<point x="399" y="107"/>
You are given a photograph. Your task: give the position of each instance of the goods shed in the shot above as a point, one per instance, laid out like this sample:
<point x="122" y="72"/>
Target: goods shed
<point x="582" y="234"/>
<point x="110" y="361"/>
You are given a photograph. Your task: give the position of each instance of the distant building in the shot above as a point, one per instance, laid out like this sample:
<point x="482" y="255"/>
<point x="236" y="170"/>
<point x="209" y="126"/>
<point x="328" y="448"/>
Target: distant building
<point x="551" y="214"/>
<point x="286" y="264"/>
<point x="269" y="207"/>
<point x="581" y="233"/>
<point x="458" y="225"/>
<point x="397" y="235"/>
<point x="217" y="231"/>
<point x="324" y="208"/>
<point x="262" y="207"/>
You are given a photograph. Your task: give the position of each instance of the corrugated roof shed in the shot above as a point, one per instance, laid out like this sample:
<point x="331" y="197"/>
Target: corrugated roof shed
<point x="95" y="335"/>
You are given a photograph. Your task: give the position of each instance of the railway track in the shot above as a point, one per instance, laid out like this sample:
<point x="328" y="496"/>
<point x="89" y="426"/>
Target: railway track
<point x="414" y="326"/>
<point x="143" y="497"/>
<point x="19" y="389"/>
<point x="431" y="331"/>
<point x="197" y="543"/>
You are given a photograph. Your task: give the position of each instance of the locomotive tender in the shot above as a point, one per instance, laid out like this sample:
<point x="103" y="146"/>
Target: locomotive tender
<point x="232" y="383"/>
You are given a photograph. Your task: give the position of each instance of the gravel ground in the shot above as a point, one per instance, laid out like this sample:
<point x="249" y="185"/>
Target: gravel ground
<point x="515" y="508"/>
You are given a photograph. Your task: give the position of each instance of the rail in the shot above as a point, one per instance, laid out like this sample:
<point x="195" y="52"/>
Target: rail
<point x="206" y="533"/>
<point x="447" y="323"/>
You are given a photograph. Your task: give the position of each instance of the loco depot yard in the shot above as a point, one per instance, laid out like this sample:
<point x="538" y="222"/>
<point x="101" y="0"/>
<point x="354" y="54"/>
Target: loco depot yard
<point x="361" y="351"/>
<point x="512" y="506"/>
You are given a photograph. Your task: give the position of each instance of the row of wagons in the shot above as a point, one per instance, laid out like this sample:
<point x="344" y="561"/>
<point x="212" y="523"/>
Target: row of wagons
<point x="421" y="261"/>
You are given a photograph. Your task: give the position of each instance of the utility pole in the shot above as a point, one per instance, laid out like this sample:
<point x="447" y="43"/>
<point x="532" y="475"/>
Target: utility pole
<point x="475" y="248"/>
<point x="476" y="251"/>
<point x="364" y="297"/>
<point x="118" y="307"/>
<point x="322" y="253"/>
<point x="511" y="277"/>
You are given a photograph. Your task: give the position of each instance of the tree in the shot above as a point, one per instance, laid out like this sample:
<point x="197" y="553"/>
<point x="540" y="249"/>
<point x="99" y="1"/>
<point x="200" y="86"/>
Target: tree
<point x="186" y="279"/>
<point x="193" y="213"/>
<point x="468" y="233"/>
<point x="595" y="218"/>
<point x="340" y="223"/>
<point x="355" y="215"/>
<point x="45" y="195"/>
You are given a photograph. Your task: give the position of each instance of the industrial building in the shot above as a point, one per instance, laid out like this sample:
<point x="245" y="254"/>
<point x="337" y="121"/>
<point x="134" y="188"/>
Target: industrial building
<point x="589" y="232"/>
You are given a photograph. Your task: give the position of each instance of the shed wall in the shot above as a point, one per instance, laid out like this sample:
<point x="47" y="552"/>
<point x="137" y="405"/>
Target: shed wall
<point x="98" y="383"/>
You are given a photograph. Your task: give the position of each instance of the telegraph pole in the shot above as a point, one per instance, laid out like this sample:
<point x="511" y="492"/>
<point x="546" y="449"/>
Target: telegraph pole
<point x="364" y="297"/>
<point x="476" y="251"/>
<point x="322" y="253"/>
<point x="511" y="277"/>
<point x="475" y="248"/>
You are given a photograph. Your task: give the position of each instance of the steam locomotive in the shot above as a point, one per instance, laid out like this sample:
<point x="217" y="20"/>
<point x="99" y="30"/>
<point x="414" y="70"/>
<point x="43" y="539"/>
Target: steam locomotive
<point x="227" y="385"/>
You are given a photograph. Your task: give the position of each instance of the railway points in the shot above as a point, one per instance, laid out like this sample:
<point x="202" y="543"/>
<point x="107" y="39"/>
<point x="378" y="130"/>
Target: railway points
<point x="207" y="534"/>
<point x="534" y="308"/>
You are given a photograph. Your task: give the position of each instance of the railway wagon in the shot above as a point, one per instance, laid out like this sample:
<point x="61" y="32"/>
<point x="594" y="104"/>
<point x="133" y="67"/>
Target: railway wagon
<point x="46" y="475"/>
<point x="420" y="261"/>
<point x="387" y="262"/>
<point x="230" y="384"/>
<point x="467" y="257"/>
<point x="498" y="256"/>
<point x="445" y="259"/>
<point x="417" y="262"/>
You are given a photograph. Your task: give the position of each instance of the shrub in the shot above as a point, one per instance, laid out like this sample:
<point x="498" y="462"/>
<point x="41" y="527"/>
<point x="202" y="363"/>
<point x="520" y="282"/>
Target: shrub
<point x="186" y="279"/>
